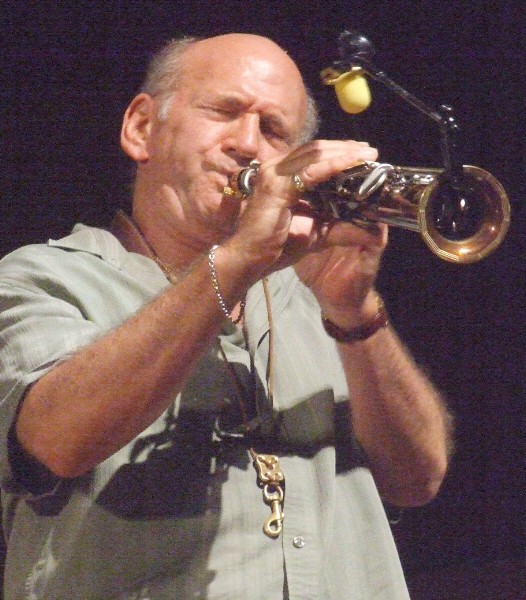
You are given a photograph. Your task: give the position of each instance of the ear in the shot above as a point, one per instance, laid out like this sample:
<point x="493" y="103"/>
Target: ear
<point x="136" y="127"/>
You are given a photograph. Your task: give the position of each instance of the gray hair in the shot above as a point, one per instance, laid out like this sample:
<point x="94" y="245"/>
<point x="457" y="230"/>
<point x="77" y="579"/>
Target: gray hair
<point x="164" y="75"/>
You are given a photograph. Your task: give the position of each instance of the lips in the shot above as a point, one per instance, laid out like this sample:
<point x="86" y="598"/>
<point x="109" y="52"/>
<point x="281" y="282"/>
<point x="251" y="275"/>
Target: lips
<point x="225" y="173"/>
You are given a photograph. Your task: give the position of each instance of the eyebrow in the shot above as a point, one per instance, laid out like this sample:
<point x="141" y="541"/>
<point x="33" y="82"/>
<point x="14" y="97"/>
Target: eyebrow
<point x="237" y="102"/>
<point x="272" y="117"/>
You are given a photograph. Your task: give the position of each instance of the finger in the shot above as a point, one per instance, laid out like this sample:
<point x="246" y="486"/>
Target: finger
<point x="314" y="149"/>
<point x="338" y="233"/>
<point x="323" y="159"/>
<point x="315" y="173"/>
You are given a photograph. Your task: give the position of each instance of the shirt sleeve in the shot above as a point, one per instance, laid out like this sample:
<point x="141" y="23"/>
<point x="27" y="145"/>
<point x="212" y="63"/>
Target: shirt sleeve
<point x="40" y="325"/>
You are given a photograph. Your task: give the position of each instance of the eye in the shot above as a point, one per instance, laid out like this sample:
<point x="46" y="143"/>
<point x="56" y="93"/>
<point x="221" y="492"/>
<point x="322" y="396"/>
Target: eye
<point x="274" y="130"/>
<point x="220" y="112"/>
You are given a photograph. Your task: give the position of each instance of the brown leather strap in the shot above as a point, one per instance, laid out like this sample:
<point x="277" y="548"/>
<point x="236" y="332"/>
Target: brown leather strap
<point x="358" y="334"/>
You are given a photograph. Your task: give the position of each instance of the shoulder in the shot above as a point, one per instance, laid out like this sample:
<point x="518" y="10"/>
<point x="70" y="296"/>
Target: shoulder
<point x="83" y="239"/>
<point x="85" y="255"/>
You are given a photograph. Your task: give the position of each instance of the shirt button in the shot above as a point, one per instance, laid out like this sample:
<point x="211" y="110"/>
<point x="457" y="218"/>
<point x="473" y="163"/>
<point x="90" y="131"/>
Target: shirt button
<point x="299" y="541"/>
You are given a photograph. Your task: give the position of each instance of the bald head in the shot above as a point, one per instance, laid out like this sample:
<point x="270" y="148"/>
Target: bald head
<point x="239" y="45"/>
<point x="195" y="58"/>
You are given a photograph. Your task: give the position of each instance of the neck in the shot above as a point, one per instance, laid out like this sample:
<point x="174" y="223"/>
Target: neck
<point x="135" y="240"/>
<point x="128" y="232"/>
<point x="171" y="247"/>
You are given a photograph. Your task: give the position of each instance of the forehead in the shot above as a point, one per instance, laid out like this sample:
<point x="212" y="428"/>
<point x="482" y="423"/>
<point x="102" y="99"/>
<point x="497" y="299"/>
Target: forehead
<point x="258" y="70"/>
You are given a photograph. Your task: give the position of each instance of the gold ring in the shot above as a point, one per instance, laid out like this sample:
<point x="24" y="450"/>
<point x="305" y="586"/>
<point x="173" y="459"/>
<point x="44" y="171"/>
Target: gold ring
<point x="298" y="184"/>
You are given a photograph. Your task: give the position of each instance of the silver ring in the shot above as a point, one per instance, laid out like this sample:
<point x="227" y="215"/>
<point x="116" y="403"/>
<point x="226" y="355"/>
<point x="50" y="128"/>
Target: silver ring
<point x="298" y="183"/>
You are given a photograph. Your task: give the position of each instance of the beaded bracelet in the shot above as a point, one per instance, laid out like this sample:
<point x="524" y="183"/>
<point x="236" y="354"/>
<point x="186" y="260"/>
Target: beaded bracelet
<point x="217" y="289"/>
<point x="358" y="334"/>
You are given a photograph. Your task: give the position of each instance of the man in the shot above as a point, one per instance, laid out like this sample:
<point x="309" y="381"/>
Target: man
<point x="146" y="371"/>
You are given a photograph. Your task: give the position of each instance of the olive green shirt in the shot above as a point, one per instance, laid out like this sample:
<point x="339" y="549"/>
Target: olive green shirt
<point x="177" y="513"/>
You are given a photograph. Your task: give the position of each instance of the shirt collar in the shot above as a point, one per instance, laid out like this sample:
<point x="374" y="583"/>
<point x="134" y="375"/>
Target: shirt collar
<point x="98" y="242"/>
<point x="105" y="245"/>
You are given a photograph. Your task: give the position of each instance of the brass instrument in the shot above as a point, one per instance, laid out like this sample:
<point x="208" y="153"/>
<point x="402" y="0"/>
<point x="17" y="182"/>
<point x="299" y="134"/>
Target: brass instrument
<point x="462" y="212"/>
<point x="461" y="225"/>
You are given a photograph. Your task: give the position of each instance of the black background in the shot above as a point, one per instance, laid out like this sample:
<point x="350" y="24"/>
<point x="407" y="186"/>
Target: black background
<point x="68" y="71"/>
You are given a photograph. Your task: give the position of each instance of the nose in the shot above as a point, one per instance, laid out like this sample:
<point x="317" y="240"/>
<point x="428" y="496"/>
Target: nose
<point x="245" y="135"/>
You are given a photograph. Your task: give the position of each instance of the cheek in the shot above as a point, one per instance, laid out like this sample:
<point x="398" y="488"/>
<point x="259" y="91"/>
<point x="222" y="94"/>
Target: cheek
<point x="176" y="138"/>
<point x="268" y="150"/>
<point x="195" y="153"/>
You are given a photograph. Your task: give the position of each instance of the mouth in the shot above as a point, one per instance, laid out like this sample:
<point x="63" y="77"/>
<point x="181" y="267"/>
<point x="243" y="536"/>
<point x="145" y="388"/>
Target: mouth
<point x="229" y="186"/>
<point x="232" y="179"/>
<point x="224" y="178"/>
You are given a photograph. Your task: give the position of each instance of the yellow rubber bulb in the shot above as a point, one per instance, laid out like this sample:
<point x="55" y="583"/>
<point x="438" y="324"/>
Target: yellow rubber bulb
<point x="352" y="92"/>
